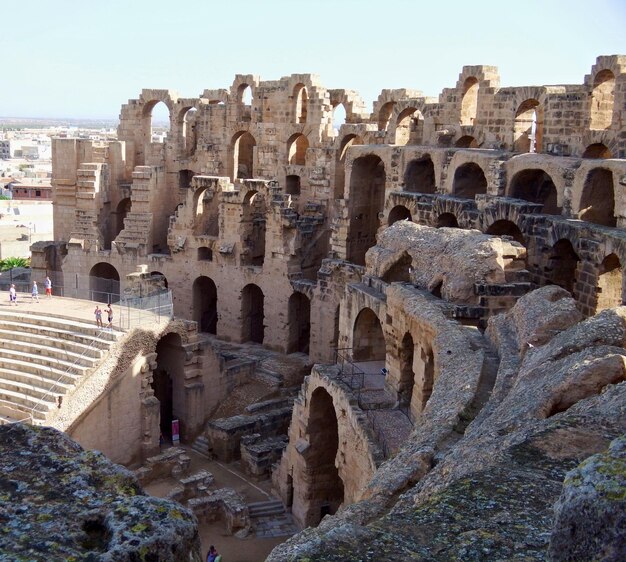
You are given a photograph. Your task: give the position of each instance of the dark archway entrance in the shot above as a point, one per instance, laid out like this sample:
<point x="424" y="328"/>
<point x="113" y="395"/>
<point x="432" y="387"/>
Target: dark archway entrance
<point x="597" y="151"/>
<point x="419" y="176"/>
<point x="168" y="382"/>
<point x="367" y="195"/>
<point x="407" y="376"/>
<point x="597" y="204"/>
<point x="506" y="228"/>
<point x="609" y="283"/>
<point x="252" y="314"/>
<point x="400" y="271"/>
<point x="205" y="304"/>
<point x="104" y="283"/>
<point x="368" y="340"/>
<point x="469" y="181"/>
<point x="398" y="213"/>
<point x="562" y="265"/>
<point x="299" y="323"/>
<point x="447" y="220"/>
<point x="536" y="186"/>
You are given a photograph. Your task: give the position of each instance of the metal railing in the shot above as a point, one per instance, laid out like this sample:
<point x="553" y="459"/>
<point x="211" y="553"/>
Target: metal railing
<point x="350" y="373"/>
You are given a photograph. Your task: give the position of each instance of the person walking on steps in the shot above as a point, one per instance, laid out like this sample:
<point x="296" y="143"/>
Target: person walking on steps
<point x="109" y="312"/>
<point x="13" y="295"/>
<point x="98" y="315"/>
<point x="35" y="292"/>
<point x="48" y="286"/>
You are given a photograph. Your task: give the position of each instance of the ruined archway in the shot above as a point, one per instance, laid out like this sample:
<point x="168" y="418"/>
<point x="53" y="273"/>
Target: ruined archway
<point x="168" y="382"/>
<point x="506" y="228"/>
<point x="469" y="102"/>
<point x="340" y="177"/>
<point x="243" y="155"/>
<point x="602" y="99"/>
<point x="528" y="126"/>
<point x="253" y="228"/>
<point x="292" y="185"/>
<point x="407" y="376"/>
<point x="419" y="176"/>
<point x="424" y="367"/>
<point x="399" y="213"/>
<point x="252" y="314"/>
<point x="160" y="121"/>
<point x="466" y="141"/>
<point x="384" y="115"/>
<point x="104" y="283"/>
<point x="121" y="211"/>
<point x="204" y="294"/>
<point x="188" y="126"/>
<point x="184" y="178"/>
<point x="400" y="270"/>
<point x="367" y="198"/>
<point x="299" y="323"/>
<point x="297" y="146"/>
<point x="368" y="340"/>
<point x="610" y="280"/>
<point x="469" y="181"/>
<point x="597" y="204"/>
<point x="409" y="127"/>
<point x="536" y="186"/>
<point x="301" y="102"/>
<point x="206" y="217"/>
<point x="597" y="151"/>
<point x="562" y="265"/>
<point x="447" y="220"/>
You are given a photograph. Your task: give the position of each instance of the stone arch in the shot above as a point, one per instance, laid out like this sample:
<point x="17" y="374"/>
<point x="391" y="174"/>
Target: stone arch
<point x="164" y="282"/>
<point x="244" y="148"/>
<point x="419" y="175"/>
<point x="252" y="314"/>
<point x="245" y="95"/>
<point x="384" y="115"/>
<point x="368" y="339"/>
<point x="168" y="381"/>
<point x="400" y="270"/>
<point x="528" y="126"/>
<point x="300" y="103"/>
<point x="447" y="220"/>
<point x="409" y="127"/>
<point x="292" y="185"/>
<point x="469" y="101"/>
<point x="204" y="293"/>
<point x="340" y="172"/>
<point x="597" y="150"/>
<point x="602" y="100"/>
<point x="469" y="180"/>
<point x="205" y="253"/>
<point x="367" y="198"/>
<point x="339" y="117"/>
<point x="505" y="227"/>
<point x="536" y="186"/>
<point x="187" y="123"/>
<point x="206" y="212"/>
<point x="326" y="488"/>
<point x="424" y="368"/>
<point x="104" y="283"/>
<point x="610" y="281"/>
<point x="407" y="376"/>
<point x="466" y="141"/>
<point x="158" y="117"/>
<point x="299" y="323"/>
<point x="562" y="265"/>
<point x="399" y="213"/>
<point x="597" y="203"/>
<point x="297" y="146"/>
<point x="121" y="211"/>
<point x="253" y="229"/>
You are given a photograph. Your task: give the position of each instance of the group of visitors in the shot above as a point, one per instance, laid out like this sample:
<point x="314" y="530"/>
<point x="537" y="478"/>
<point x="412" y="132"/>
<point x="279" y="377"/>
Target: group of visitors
<point x="34" y="294"/>
<point x="212" y="555"/>
<point x="98" y="315"/>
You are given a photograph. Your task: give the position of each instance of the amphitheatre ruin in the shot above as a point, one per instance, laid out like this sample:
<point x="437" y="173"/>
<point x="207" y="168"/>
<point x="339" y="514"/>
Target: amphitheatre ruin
<point x="408" y="325"/>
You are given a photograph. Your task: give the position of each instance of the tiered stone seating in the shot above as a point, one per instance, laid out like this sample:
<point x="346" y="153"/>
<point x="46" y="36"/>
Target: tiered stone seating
<point x="43" y="357"/>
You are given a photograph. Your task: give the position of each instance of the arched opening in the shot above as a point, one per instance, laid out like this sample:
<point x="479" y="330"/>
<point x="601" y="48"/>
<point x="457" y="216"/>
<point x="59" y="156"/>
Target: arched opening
<point x="368" y="340"/>
<point x="528" y="127"/>
<point x="419" y="176"/>
<point x="597" y="204"/>
<point x="121" y="211"/>
<point x="469" y="181"/>
<point x="466" y="141"/>
<point x="400" y="271"/>
<point x="399" y="213"/>
<point x="536" y="186"/>
<point x="205" y="304"/>
<point x="407" y="376"/>
<point x="206" y="220"/>
<point x="189" y="129"/>
<point x="168" y="381"/>
<point x="562" y="265"/>
<point x="339" y="117"/>
<point x="299" y="323"/>
<point x="597" y="150"/>
<point x="602" y="100"/>
<point x="297" y="146"/>
<point x="159" y="122"/>
<point x="609" y="288"/>
<point x="162" y="279"/>
<point x="340" y="177"/>
<point x="252" y="314"/>
<point x="292" y="185"/>
<point x="367" y="196"/>
<point x="104" y="283"/>
<point x="252" y="231"/>
<point x="184" y="178"/>
<point x="243" y="151"/>
<point x="447" y="220"/>
<point x="469" y="103"/>
<point x="506" y="228"/>
<point x="244" y="94"/>
<point x="326" y="489"/>
<point x="409" y="127"/>
<point x="384" y="115"/>
<point x="205" y="254"/>
<point x="301" y="102"/>
<point x="424" y="379"/>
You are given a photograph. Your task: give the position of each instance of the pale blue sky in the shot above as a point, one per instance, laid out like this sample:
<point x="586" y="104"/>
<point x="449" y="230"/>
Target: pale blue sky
<point x="84" y="58"/>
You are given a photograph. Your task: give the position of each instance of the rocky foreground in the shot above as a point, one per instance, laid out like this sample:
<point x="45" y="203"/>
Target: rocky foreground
<point x="494" y="491"/>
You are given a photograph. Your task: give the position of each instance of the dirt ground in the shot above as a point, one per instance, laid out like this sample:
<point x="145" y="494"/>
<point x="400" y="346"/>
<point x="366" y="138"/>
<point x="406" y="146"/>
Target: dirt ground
<point x="232" y="549"/>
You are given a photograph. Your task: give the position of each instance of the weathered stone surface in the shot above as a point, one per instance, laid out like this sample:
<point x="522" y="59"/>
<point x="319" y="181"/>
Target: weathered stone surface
<point x="590" y="519"/>
<point x="59" y="502"/>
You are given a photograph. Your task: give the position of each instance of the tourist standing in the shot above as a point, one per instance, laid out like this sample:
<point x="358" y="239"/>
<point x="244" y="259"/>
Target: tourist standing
<point x="98" y="315"/>
<point x="109" y="312"/>
<point x="35" y="292"/>
<point x="13" y="295"/>
<point x="212" y="555"/>
<point x="48" y="286"/>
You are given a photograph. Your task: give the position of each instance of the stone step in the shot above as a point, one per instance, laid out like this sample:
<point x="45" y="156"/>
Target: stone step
<point x="20" y="340"/>
<point x="47" y="369"/>
<point x="63" y="385"/>
<point x="34" y="357"/>
<point x="25" y="403"/>
<point x="201" y="446"/>
<point x="266" y="508"/>
<point x="37" y="391"/>
<point x="97" y="338"/>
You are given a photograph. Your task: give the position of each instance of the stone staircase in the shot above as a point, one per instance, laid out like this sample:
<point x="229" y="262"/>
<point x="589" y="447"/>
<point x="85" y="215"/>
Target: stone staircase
<point x="269" y="519"/>
<point x="42" y="358"/>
